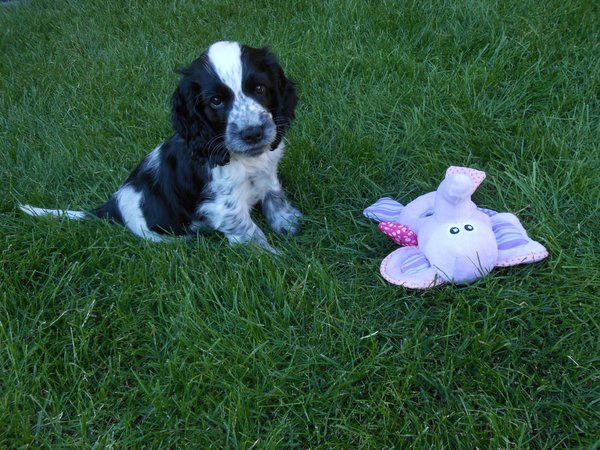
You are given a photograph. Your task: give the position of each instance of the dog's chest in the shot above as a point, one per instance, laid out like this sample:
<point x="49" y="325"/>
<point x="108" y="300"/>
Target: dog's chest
<point x="236" y="187"/>
<point x="243" y="181"/>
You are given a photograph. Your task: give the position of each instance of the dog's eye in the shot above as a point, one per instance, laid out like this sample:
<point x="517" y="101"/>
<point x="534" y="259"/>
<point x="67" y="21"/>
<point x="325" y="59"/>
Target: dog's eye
<point x="216" y="101"/>
<point x="454" y="230"/>
<point x="260" y="90"/>
<point x="469" y="227"/>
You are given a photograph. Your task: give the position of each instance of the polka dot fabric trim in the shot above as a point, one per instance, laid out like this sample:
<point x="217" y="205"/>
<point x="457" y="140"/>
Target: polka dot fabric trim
<point x="400" y="234"/>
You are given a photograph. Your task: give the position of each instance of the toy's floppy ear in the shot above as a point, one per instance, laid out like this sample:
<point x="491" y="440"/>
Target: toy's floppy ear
<point x="400" y="234"/>
<point x="476" y="176"/>
<point x="384" y="210"/>
<point x="409" y="267"/>
<point x="514" y="246"/>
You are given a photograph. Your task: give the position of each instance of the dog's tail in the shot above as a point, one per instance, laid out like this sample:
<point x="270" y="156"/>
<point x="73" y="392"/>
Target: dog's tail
<point x="37" y="212"/>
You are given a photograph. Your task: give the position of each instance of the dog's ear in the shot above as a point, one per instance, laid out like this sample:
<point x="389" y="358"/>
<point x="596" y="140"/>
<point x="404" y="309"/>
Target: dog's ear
<point x="184" y="109"/>
<point x="190" y="122"/>
<point x="285" y="110"/>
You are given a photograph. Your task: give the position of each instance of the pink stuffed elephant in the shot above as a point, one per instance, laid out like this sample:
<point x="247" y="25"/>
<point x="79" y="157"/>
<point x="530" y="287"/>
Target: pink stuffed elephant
<point x="450" y="239"/>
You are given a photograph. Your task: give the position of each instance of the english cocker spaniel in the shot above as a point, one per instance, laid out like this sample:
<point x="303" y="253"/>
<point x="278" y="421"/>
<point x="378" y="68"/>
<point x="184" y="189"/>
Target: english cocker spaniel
<point x="230" y="112"/>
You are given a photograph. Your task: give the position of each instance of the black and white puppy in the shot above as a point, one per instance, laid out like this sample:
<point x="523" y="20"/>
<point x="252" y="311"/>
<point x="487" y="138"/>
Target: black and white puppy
<point x="229" y="112"/>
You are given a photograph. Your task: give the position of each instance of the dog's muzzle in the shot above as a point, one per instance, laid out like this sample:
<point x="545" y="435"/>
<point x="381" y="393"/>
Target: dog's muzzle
<point x="250" y="128"/>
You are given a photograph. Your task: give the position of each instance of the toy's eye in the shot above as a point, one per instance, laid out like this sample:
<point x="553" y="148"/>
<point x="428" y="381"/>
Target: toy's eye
<point x="260" y="90"/>
<point x="454" y="230"/>
<point x="469" y="227"/>
<point x="215" y="101"/>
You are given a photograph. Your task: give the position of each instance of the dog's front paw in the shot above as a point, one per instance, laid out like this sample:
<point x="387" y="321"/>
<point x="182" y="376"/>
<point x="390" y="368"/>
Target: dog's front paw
<point x="252" y="236"/>
<point x="286" y="221"/>
<point x="282" y="217"/>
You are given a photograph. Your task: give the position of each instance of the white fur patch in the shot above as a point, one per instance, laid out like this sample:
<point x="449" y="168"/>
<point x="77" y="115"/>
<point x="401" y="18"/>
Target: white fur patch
<point x="152" y="162"/>
<point x="37" y="212"/>
<point x="129" y="203"/>
<point x="226" y="58"/>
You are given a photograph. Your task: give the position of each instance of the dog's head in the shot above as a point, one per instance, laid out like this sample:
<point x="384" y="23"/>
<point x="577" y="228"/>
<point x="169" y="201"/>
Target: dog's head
<point x="233" y="99"/>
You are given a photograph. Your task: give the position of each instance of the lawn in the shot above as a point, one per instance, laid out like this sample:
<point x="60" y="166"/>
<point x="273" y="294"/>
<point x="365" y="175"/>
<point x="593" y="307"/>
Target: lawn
<point x="107" y="341"/>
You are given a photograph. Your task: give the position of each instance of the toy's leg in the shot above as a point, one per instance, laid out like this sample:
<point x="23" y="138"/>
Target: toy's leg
<point x="514" y="246"/>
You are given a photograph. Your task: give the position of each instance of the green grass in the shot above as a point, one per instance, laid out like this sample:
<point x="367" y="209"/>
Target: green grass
<point x="108" y="341"/>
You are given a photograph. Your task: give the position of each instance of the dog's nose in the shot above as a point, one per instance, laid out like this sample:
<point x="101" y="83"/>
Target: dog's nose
<point x="253" y="134"/>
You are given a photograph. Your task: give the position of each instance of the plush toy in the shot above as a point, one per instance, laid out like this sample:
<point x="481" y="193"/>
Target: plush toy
<point x="447" y="238"/>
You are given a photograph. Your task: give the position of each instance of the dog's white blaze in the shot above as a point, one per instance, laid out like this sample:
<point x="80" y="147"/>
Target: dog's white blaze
<point x="226" y="58"/>
<point x="37" y="212"/>
<point x="129" y="203"/>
